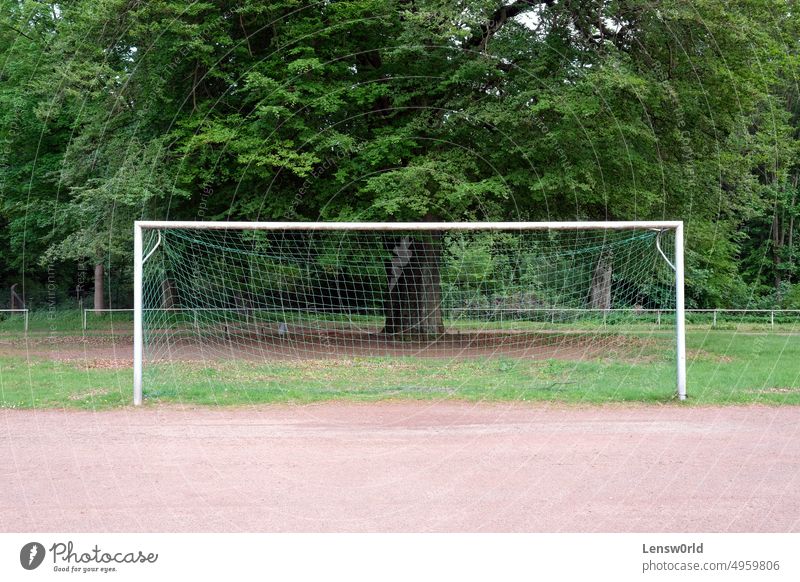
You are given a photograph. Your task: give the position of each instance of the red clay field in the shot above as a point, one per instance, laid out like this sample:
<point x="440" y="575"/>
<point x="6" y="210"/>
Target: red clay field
<point x="402" y="467"/>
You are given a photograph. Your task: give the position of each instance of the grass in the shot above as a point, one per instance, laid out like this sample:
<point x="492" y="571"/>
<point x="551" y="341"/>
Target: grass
<point x="724" y="368"/>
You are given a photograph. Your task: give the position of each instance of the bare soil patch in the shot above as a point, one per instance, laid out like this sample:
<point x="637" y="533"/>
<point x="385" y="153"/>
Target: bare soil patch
<point x="109" y="351"/>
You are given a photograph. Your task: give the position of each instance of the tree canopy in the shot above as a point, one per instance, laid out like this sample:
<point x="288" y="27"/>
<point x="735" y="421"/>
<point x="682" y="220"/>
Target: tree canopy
<point x="112" y="110"/>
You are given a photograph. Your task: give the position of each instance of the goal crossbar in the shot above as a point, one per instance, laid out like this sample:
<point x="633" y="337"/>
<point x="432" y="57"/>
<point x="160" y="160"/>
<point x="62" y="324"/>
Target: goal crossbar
<point x="677" y="265"/>
<point x="411" y="226"/>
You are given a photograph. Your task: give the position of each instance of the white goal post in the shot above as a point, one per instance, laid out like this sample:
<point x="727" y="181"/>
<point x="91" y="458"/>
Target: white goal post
<point x="156" y="228"/>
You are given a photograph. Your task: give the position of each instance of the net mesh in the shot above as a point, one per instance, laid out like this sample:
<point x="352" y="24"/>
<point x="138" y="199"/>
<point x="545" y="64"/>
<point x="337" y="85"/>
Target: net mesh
<point x="322" y="300"/>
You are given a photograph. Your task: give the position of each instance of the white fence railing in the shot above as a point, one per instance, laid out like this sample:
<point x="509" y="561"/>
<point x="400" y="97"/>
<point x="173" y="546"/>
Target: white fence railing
<point x="772" y="312"/>
<point x="639" y="311"/>
<point x="23" y="311"/>
<point x="552" y="311"/>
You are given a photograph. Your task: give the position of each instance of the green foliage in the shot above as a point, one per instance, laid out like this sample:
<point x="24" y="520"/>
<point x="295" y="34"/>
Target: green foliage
<point x="367" y="109"/>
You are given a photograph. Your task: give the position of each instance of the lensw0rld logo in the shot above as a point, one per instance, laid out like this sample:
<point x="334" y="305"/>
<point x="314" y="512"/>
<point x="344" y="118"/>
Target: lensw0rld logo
<point x="31" y="555"/>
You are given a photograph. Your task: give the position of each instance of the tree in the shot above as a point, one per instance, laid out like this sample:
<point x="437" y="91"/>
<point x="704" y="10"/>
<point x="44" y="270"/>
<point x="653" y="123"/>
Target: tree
<point x="525" y="109"/>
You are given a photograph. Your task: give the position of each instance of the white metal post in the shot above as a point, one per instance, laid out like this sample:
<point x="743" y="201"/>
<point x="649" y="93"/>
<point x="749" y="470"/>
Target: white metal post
<point x="680" y="314"/>
<point x="414" y="226"/>
<point x="137" y="314"/>
<point x="26" y="320"/>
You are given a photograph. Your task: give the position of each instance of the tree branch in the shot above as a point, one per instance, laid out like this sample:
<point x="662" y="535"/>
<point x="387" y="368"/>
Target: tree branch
<point x="18" y="31"/>
<point x="592" y="29"/>
<point x="498" y="19"/>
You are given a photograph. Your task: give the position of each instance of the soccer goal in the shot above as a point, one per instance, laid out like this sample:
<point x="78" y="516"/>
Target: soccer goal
<point x="575" y="304"/>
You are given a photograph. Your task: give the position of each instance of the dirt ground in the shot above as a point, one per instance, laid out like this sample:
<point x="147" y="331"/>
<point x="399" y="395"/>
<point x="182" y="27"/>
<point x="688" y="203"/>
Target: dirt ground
<point x="107" y="350"/>
<point x="451" y="467"/>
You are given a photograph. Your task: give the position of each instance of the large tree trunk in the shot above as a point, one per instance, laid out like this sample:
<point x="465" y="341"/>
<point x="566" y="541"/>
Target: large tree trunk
<point x="600" y="292"/>
<point x="413" y="304"/>
<point x="99" y="287"/>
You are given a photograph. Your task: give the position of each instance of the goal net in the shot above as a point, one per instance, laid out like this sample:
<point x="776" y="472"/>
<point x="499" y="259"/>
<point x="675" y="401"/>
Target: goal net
<point x="382" y="308"/>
